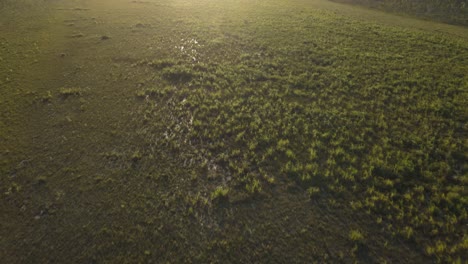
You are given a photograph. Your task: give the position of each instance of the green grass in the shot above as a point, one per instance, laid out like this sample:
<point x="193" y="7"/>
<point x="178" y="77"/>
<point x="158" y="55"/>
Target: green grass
<point x="371" y="113"/>
<point x="328" y="136"/>
<point x="219" y="193"/>
<point x="356" y="235"/>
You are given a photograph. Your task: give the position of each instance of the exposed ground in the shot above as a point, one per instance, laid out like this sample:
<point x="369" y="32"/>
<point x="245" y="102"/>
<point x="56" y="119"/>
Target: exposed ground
<point x="230" y="131"/>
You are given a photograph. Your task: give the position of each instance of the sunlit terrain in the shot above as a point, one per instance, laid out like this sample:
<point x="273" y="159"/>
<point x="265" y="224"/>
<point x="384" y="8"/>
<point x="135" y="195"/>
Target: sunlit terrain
<point x="238" y="131"/>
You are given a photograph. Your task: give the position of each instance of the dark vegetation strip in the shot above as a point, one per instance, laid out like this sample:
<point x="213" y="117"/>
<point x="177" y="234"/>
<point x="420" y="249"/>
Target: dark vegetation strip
<point x="447" y="11"/>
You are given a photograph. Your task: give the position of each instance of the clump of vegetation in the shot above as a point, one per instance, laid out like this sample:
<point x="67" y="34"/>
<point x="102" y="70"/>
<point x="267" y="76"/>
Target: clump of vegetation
<point x="313" y="191"/>
<point x="136" y="156"/>
<point x="356" y="236"/>
<point x="70" y="91"/>
<point x="253" y="186"/>
<point x="47" y="98"/>
<point x="219" y="192"/>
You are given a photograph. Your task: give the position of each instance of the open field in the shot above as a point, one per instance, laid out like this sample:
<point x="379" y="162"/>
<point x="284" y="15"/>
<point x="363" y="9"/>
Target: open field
<point x="447" y="11"/>
<point x="238" y="131"/>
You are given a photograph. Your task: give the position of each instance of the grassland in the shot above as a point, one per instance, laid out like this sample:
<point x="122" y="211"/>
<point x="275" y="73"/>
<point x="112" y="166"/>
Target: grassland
<point x="448" y="11"/>
<point x="236" y="131"/>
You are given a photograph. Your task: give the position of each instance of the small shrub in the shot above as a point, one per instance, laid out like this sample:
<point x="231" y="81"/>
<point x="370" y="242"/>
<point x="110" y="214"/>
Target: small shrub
<point x="220" y="192"/>
<point x="254" y="186"/>
<point x="356" y="236"/>
<point x="313" y="191"/>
